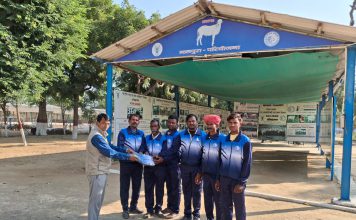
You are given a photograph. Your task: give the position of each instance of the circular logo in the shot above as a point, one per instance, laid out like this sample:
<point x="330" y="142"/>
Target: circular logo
<point x="157" y="49"/>
<point x="291" y="109"/>
<point x="271" y="39"/>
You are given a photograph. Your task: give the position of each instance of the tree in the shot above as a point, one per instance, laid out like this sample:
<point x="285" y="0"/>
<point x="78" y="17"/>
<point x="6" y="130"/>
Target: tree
<point x="86" y="75"/>
<point x="353" y="8"/>
<point x="49" y="35"/>
<point x="64" y="103"/>
<point x="14" y="66"/>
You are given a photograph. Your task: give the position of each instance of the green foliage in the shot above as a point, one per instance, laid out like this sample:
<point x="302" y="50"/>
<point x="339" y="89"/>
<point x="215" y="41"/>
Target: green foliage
<point x="39" y="39"/>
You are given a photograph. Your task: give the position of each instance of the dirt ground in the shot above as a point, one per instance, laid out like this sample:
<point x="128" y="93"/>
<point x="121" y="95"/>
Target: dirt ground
<point x="46" y="180"/>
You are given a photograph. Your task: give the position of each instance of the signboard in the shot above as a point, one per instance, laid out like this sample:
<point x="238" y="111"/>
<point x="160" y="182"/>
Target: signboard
<point x="249" y="114"/>
<point x="212" y="35"/>
<point x="272" y="132"/>
<point x="301" y="121"/>
<point x="126" y="103"/>
<point x="246" y="107"/>
<point x="161" y="109"/>
<point x="272" y="122"/>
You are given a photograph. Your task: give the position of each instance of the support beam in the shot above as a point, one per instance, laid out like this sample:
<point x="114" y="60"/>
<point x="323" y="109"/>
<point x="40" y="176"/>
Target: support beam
<point x="329" y="161"/>
<point x="126" y="49"/>
<point x="349" y="121"/>
<point x="204" y="4"/>
<point x="176" y="97"/>
<point x="200" y="9"/>
<point x="333" y="135"/>
<point x="263" y="18"/>
<point x="158" y="31"/>
<point x="212" y="9"/>
<point x="319" y="29"/>
<point x="322" y="105"/>
<point x="109" y="75"/>
<point x="318" y="125"/>
<point x="331" y="90"/>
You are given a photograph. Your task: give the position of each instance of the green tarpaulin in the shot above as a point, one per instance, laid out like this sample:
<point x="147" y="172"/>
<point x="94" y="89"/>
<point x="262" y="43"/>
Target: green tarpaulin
<point x="296" y="77"/>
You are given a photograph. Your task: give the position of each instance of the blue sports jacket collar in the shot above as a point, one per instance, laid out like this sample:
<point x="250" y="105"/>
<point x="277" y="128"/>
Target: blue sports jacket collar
<point x="157" y="138"/>
<point x="215" y="136"/>
<point x="130" y="131"/>
<point x="198" y="132"/>
<point x="237" y="139"/>
<point x="169" y="132"/>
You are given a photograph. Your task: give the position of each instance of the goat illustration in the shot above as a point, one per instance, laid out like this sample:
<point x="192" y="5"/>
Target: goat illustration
<point x="208" y="30"/>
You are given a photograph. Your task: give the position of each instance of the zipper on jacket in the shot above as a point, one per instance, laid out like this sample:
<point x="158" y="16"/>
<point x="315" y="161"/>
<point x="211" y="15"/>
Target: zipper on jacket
<point x="191" y="140"/>
<point x="230" y="156"/>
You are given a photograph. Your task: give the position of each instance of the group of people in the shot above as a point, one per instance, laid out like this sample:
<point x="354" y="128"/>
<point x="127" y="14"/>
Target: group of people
<point x="191" y="159"/>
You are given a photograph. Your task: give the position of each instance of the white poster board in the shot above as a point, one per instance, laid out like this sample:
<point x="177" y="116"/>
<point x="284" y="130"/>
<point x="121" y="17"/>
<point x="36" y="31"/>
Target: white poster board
<point x="301" y="119"/>
<point x="126" y="103"/>
<point x="249" y="114"/>
<point x="272" y="121"/>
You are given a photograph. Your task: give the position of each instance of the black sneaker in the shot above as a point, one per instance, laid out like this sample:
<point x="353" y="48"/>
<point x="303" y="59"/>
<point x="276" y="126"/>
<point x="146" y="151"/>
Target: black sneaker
<point x="159" y="214"/>
<point x="148" y="215"/>
<point x="196" y="218"/>
<point x="126" y="215"/>
<point x="187" y="218"/>
<point x="166" y="211"/>
<point x="135" y="211"/>
<point x="171" y="215"/>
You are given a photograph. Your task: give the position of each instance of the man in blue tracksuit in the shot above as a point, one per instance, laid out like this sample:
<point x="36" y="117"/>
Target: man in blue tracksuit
<point x="189" y="146"/>
<point x="154" y="176"/>
<point x="236" y="158"/>
<point x="173" y="181"/>
<point x="98" y="163"/>
<point x="133" y="138"/>
<point x="210" y="166"/>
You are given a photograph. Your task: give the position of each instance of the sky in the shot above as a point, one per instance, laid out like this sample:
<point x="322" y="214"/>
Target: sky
<point x="335" y="11"/>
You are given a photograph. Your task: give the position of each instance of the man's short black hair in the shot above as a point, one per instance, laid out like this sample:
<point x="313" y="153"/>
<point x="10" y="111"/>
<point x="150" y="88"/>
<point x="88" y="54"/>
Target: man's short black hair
<point x="155" y="120"/>
<point x="101" y="116"/>
<point x="190" y="116"/>
<point x="135" y="115"/>
<point x="233" y="116"/>
<point x="173" y="117"/>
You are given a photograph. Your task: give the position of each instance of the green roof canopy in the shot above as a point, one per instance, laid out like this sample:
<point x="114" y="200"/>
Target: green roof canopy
<point x="295" y="77"/>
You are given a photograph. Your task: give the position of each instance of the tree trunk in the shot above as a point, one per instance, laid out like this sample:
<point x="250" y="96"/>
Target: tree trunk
<point x="75" y="117"/>
<point x="63" y="112"/>
<point x="3" y="108"/>
<point x="42" y="121"/>
<point x="20" y="125"/>
<point x="139" y="82"/>
<point x="153" y="87"/>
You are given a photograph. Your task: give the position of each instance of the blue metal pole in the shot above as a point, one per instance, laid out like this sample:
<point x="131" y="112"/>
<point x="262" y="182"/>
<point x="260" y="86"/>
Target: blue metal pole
<point x="323" y="101"/>
<point x="330" y="99"/>
<point x="109" y="75"/>
<point x="209" y="101"/>
<point x="318" y="125"/>
<point x="331" y="90"/>
<point x="333" y="135"/>
<point x="349" y="121"/>
<point x="176" y="97"/>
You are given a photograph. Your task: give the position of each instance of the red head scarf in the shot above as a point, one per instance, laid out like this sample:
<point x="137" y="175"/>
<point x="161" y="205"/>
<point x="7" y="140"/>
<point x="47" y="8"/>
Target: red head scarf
<point x="212" y="118"/>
